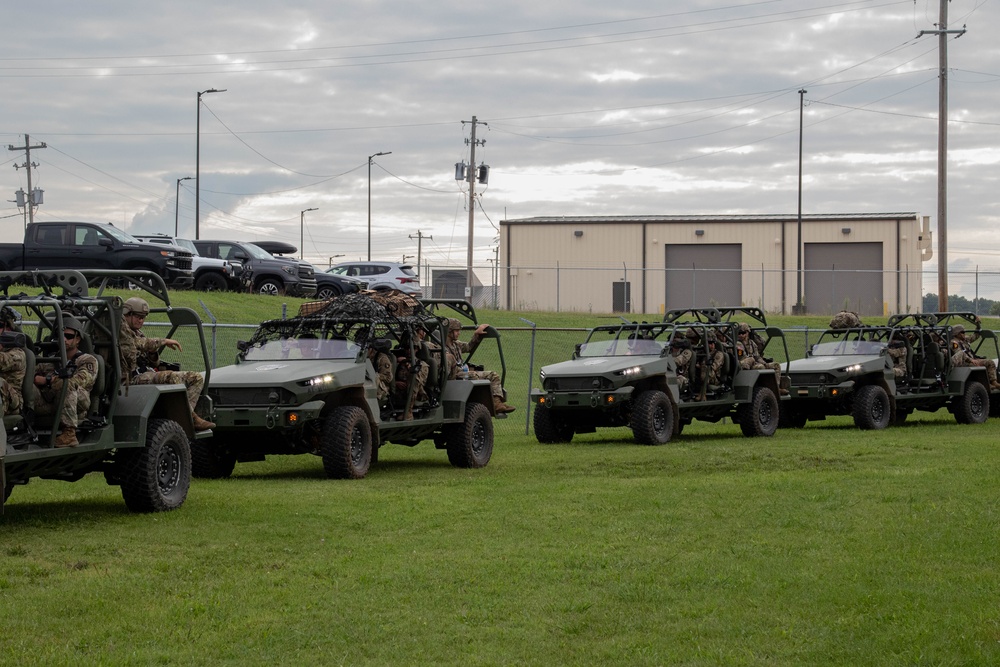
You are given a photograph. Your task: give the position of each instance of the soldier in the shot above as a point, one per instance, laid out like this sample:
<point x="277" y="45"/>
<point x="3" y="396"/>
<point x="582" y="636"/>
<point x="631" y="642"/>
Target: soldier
<point x="12" y="364"/>
<point x="139" y="358"/>
<point x="456" y="349"/>
<point x="962" y="355"/>
<point x="383" y="371"/>
<point x="749" y="353"/>
<point x="897" y="352"/>
<point x="709" y="369"/>
<point x="680" y="349"/>
<point x="79" y="374"/>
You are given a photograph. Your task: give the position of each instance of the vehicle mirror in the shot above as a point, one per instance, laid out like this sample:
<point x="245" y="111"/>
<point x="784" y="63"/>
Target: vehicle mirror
<point x="242" y="345"/>
<point x="106" y="242"/>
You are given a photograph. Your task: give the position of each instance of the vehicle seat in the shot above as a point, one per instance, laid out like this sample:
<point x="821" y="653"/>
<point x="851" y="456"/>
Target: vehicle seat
<point x="29" y="395"/>
<point x="433" y="385"/>
<point x="90" y="238"/>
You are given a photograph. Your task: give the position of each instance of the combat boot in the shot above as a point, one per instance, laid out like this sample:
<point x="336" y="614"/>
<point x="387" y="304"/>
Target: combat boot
<point x="500" y="407"/>
<point x="201" y="424"/>
<point x="67" y="437"/>
<point x="994" y="385"/>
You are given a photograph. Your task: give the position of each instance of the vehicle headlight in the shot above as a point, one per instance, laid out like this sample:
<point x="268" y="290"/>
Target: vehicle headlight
<point x="290" y="270"/>
<point x="853" y="368"/>
<point x="320" y="382"/>
<point x="167" y="253"/>
<point x="628" y="372"/>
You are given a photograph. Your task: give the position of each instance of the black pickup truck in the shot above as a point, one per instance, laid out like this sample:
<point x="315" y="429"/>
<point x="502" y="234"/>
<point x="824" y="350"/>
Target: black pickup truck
<point x="91" y="245"/>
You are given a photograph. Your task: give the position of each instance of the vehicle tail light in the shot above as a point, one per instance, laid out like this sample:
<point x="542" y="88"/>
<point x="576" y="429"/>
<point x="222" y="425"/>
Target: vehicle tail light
<point x="407" y="280"/>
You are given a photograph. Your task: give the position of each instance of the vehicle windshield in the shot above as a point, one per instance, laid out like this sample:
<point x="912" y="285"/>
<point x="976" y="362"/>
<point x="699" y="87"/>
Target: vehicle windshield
<point x="302" y="348"/>
<point x="837" y="348"/>
<point x="257" y="252"/>
<point x="120" y="235"/>
<point x="610" y="344"/>
<point x="187" y="244"/>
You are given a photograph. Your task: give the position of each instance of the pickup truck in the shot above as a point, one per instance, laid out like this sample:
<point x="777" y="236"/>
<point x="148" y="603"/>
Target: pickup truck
<point x="265" y="273"/>
<point x="91" y="245"/>
<point x="210" y="274"/>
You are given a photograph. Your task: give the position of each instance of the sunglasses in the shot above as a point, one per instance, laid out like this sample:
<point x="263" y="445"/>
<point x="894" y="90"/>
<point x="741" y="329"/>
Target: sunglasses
<point x="69" y="336"/>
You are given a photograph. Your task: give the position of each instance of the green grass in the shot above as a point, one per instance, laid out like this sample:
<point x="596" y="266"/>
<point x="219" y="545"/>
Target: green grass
<point x="819" y="546"/>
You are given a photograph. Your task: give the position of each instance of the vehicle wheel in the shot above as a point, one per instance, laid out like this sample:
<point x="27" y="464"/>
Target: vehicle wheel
<point x="871" y="408"/>
<point x="210" y="282"/>
<point x="156" y="477"/>
<point x="652" y="418"/>
<point x="470" y="444"/>
<point x="209" y="460"/>
<point x="347" y="443"/>
<point x="974" y="405"/>
<point x="789" y="417"/>
<point x="550" y="429"/>
<point x="759" y="417"/>
<point x="270" y="287"/>
<point x="327" y="292"/>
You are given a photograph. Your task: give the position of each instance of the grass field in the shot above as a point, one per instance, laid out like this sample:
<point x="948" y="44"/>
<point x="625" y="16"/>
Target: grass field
<point x="819" y="546"/>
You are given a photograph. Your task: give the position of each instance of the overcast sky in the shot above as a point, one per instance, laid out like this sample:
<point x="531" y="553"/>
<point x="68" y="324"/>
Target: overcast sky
<point x="590" y="108"/>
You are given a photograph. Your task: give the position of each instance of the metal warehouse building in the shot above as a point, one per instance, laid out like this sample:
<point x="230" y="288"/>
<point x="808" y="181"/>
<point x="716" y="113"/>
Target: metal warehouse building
<point x="870" y="263"/>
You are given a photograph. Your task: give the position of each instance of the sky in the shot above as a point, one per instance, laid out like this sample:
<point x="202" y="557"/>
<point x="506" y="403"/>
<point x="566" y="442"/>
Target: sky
<point x="582" y="108"/>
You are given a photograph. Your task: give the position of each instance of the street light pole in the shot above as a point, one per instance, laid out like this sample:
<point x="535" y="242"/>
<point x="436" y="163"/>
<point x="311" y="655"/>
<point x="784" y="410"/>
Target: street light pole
<point x="370" y="201"/>
<point x="197" y="164"/>
<point x="302" y="228"/>
<point x="799" y="308"/>
<point x="177" y="199"/>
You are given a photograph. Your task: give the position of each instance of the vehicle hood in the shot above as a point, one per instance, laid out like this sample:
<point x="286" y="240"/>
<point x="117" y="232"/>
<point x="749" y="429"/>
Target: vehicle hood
<point x="287" y="372"/>
<point x="825" y="363"/>
<point x="588" y="366"/>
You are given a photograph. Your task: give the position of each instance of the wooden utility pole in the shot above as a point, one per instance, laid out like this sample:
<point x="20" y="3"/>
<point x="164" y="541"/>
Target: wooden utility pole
<point x="30" y="200"/>
<point x="942" y="163"/>
<point x="471" y="177"/>
<point x="420" y="237"/>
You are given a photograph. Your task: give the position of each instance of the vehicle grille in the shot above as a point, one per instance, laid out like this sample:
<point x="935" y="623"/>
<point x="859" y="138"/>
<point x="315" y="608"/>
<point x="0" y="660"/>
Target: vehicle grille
<point x="251" y="396"/>
<point x="577" y="384"/>
<point x="184" y="263"/>
<point x="306" y="271"/>
<point x="811" y="378"/>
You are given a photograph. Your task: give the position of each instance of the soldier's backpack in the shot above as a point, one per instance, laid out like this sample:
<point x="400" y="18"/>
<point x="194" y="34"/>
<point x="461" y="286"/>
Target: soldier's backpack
<point x="395" y="302"/>
<point x="845" y="319"/>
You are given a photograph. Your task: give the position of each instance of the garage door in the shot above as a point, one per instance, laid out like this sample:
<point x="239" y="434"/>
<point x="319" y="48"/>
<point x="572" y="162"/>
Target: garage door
<point x="700" y="275"/>
<point x="843" y="276"/>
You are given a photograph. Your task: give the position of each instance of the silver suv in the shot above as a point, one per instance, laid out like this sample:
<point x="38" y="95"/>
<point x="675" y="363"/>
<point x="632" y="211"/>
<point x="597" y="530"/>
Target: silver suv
<point x="382" y="274"/>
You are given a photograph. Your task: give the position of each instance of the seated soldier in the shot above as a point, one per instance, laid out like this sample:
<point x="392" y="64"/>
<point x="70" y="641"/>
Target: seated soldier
<point x="12" y="363"/>
<point x="456" y="349"/>
<point x="750" y="356"/>
<point x="962" y="355"/>
<point x="79" y="375"/>
<point x="383" y="368"/>
<point x="897" y="352"/>
<point x="680" y="349"/>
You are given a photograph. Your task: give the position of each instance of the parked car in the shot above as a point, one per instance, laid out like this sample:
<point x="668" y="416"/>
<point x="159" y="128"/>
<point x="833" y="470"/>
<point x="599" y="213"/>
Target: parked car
<point x="382" y="274"/>
<point x="265" y="273"/>
<point x="210" y="274"/>
<point x="329" y="285"/>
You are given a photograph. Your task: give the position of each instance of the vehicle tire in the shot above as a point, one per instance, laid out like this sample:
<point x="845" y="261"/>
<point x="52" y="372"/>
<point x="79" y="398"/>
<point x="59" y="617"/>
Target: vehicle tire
<point x="325" y="292"/>
<point x="470" y="444"/>
<point x="156" y="477"/>
<point x="760" y="416"/>
<point x="652" y="418"/>
<point x="789" y="417"/>
<point x="871" y="408"/>
<point x="973" y="406"/>
<point x="347" y="443"/>
<point x="210" y="282"/>
<point x="550" y="429"/>
<point x="209" y="460"/>
<point x="269" y="286"/>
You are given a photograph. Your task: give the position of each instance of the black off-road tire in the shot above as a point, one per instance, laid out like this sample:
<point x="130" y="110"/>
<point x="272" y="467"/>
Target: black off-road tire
<point x="973" y="407"/>
<point x="347" y="443"/>
<point x="470" y="444"/>
<point x="550" y="429"/>
<point x="871" y="408"/>
<point x="325" y="292"/>
<point x="760" y="416"/>
<point x="210" y="282"/>
<point x="209" y="460"/>
<point x="652" y="418"/>
<point x="269" y="287"/>
<point x="156" y="478"/>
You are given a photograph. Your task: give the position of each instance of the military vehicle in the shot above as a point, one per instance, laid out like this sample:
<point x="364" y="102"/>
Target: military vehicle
<point x="850" y="371"/>
<point x="138" y="435"/>
<point x="308" y="385"/>
<point x="625" y="375"/>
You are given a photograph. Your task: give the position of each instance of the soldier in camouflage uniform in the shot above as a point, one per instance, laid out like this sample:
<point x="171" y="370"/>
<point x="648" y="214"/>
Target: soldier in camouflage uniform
<point x="748" y="352"/>
<point x="139" y="359"/>
<point x="962" y="355"/>
<point x="79" y="376"/>
<point x="897" y="352"/>
<point x="680" y="349"/>
<point x="456" y="350"/>
<point x="12" y="366"/>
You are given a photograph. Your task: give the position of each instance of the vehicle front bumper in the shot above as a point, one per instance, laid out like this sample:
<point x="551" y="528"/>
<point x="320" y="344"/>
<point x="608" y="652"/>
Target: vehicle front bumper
<point x="265" y="418"/>
<point x="581" y="400"/>
<point x="179" y="278"/>
<point x="303" y="288"/>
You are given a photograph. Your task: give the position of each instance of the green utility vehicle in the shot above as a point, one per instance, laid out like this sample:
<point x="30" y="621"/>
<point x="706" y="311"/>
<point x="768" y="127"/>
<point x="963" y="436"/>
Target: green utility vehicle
<point x="852" y="371"/>
<point x="138" y="435"/>
<point x="626" y="375"/>
<point x="308" y="385"/>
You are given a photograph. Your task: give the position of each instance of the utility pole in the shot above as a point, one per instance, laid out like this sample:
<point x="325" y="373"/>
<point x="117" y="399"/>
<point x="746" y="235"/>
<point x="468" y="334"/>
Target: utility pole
<point x="942" y="197"/>
<point x="471" y="177"/>
<point x="420" y="237"/>
<point x="28" y="164"/>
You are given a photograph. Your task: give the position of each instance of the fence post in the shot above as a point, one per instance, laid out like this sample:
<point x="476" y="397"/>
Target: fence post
<point x="215" y="330"/>
<point x="531" y="372"/>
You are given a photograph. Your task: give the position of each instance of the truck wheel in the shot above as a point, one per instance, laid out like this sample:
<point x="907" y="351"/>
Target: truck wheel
<point x="974" y="405"/>
<point x="210" y="282"/>
<point x="871" y="408"/>
<point x="209" y="460"/>
<point x="550" y="429"/>
<point x="652" y="418"/>
<point x="270" y="287"/>
<point x="155" y="478"/>
<point x="327" y="292"/>
<point x="347" y="443"/>
<point x="759" y="417"/>
<point x="470" y="444"/>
